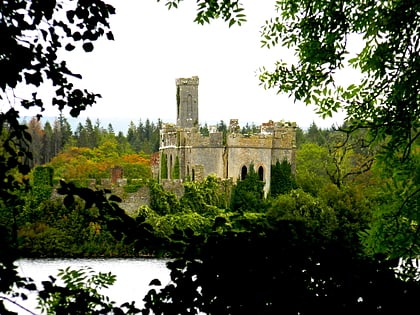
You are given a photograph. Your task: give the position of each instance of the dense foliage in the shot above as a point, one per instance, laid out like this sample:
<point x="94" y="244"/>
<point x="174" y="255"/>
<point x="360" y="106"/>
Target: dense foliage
<point x="298" y="251"/>
<point x="384" y="100"/>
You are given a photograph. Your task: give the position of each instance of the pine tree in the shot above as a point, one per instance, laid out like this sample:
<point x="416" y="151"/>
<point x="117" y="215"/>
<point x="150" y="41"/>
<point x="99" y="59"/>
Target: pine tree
<point x="282" y="178"/>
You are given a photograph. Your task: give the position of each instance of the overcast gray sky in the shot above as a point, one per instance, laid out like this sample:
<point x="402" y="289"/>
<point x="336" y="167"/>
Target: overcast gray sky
<point x="135" y="74"/>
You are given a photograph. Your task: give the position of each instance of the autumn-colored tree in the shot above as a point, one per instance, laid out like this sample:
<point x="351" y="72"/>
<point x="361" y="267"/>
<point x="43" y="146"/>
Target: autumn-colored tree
<point x="37" y="141"/>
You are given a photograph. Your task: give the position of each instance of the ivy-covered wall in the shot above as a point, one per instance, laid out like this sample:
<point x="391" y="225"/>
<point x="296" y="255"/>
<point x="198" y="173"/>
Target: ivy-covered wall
<point x="42" y="183"/>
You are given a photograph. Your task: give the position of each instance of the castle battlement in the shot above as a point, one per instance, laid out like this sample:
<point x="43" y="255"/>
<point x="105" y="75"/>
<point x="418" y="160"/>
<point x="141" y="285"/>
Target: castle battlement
<point x="194" y="156"/>
<point x="187" y="81"/>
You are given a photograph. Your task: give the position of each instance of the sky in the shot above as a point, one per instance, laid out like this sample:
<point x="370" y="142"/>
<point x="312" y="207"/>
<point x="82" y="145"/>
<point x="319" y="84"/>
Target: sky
<point x="136" y="73"/>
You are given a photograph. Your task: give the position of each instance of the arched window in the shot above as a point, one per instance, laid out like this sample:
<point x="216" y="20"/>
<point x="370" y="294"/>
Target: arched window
<point x="244" y="172"/>
<point x="261" y="173"/>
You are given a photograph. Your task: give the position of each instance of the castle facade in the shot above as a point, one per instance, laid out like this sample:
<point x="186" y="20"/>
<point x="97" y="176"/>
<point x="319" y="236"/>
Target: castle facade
<point x="186" y="154"/>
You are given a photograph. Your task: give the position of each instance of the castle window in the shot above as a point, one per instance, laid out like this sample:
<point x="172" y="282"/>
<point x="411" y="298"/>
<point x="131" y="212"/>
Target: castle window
<point x="244" y="172"/>
<point x="261" y="173"/>
<point x="193" y="175"/>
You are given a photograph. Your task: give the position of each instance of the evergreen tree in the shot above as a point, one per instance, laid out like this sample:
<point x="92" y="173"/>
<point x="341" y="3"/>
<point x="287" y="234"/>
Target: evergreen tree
<point x="282" y="178"/>
<point x="300" y="137"/>
<point x="204" y="130"/>
<point x="164" y="167"/>
<point x="175" y="173"/>
<point x="48" y="144"/>
<point x="65" y="131"/>
<point x="81" y="136"/>
<point x="248" y="194"/>
<point x="111" y="129"/>
<point x="315" y="135"/>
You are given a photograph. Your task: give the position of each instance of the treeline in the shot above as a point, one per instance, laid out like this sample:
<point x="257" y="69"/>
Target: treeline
<point x="50" y="139"/>
<point x="304" y="238"/>
<point x="332" y="171"/>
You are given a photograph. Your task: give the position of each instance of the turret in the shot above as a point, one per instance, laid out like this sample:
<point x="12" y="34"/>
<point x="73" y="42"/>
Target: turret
<point x="187" y="102"/>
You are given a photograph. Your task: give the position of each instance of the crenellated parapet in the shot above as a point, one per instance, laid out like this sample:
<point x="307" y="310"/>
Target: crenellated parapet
<point x="195" y="156"/>
<point x="187" y="81"/>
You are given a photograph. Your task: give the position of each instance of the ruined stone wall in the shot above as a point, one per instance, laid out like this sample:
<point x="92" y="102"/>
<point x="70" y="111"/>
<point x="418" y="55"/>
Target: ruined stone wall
<point x="251" y="141"/>
<point x="284" y="145"/>
<point x="131" y="202"/>
<point x="211" y="158"/>
<point x="244" y="156"/>
<point x="175" y="186"/>
<point x="171" y="154"/>
<point x="200" y="156"/>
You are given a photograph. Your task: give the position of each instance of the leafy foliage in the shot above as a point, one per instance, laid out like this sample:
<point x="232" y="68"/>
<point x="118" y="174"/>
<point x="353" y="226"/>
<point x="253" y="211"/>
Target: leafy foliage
<point x="161" y="201"/>
<point x="248" y="194"/>
<point x="385" y="100"/>
<point x="304" y="274"/>
<point x="205" y="197"/>
<point x="32" y="35"/>
<point x="83" y="163"/>
<point x="234" y="269"/>
<point x="175" y="171"/>
<point x="282" y="179"/>
<point x="229" y="11"/>
<point x="80" y="294"/>
<point x="164" y="167"/>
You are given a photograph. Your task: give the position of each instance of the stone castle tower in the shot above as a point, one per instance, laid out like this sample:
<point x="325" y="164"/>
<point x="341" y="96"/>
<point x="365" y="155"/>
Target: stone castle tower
<point x="186" y="154"/>
<point x="187" y="102"/>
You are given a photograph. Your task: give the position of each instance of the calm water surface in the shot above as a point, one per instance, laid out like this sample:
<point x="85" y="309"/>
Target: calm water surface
<point x="133" y="276"/>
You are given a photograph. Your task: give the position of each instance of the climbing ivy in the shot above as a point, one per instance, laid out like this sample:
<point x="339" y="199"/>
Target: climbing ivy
<point x="163" y="167"/>
<point x="42" y="183"/>
<point x="175" y="172"/>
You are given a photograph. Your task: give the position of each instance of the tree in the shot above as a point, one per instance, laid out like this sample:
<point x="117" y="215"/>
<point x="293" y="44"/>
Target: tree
<point x="312" y="164"/>
<point x="32" y="34"/>
<point x="248" y="194"/>
<point x="316" y="135"/>
<point x="37" y="141"/>
<point x="48" y="144"/>
<point x="65" y="131"/>
<point x="80" y="294"/>
<point x="175" y="171"/>
<point x="350" y="156"/>
<point x="282" y="178"/>
<point x="204" y="130"/>
<point x="385" y="101"/>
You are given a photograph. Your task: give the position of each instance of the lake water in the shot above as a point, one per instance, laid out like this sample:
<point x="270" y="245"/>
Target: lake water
<point x="132" y="284"/>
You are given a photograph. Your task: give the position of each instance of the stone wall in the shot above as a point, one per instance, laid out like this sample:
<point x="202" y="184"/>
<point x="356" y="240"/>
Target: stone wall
<point x="200" y="156"/>
<point x="175" y="186"/>
<point x="131" y="202"/>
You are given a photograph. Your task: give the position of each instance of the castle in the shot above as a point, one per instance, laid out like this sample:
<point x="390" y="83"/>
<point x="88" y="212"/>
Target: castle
<point x="186" y="154"/>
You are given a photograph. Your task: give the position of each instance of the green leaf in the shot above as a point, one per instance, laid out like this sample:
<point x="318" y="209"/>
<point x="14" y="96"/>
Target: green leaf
<point x="88" y="47"/>
<point x="69" y="47"/>
<point x="155" y="282"/>
<point x="110" y="36"/>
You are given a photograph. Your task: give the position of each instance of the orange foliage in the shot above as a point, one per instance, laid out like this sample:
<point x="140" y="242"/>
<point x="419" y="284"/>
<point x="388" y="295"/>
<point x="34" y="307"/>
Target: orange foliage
<point x="135" y="159"/>
<point x="82" y="163"/>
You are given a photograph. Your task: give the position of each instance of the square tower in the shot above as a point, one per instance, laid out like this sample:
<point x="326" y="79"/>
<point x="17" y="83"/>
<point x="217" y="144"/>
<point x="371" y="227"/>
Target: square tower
<point x="187" y="102"/>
